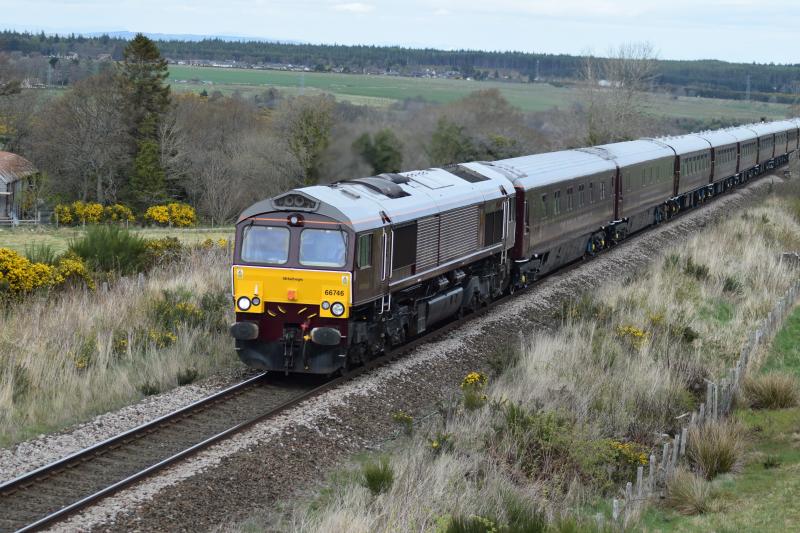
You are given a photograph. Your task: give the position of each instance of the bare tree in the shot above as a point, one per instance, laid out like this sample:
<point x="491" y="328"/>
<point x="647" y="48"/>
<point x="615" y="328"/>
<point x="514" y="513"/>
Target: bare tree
<point x="81" y="140"/>
<point x="615" y="91"/>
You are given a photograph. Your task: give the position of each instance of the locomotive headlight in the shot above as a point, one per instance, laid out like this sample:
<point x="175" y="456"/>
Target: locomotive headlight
<point x="256" y="300"/>
<point x="326" y="305"/>
<point x="243" y="303"/>
<point x="337" y="309"/>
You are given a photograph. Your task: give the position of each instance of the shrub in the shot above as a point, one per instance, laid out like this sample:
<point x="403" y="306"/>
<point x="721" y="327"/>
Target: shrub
<point x="689" y="494"/>
<point x="87" y="212"/>
<point x="174" y="214"/>
<point x="162" y="251"/>
<point x="174" y="308"/>
<point x="118" y="213"/>
<point x="772" y="391"/>
<point x="696" y="270"/>
<point x="63" y="214"/>
<point x="182" y="215"/>
<point x="111" y="249"/>
<point x="472" y="386"/>
<point x="732" y="285"/>
<point x="377" y="476"/>
<point x="157" y="214"/>
<point x="715" y="448"/>
<point x="771" y="461"/>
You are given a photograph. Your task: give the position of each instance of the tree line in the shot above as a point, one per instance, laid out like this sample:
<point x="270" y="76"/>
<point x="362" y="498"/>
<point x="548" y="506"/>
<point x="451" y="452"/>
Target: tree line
<point x="702" y="78"/>
<point x="122" y="136"/>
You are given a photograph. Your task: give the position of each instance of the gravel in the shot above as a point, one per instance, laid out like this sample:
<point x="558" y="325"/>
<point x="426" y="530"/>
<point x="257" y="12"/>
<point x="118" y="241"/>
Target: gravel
<point x="264" y="467"/>
<point x="44" y="449"/>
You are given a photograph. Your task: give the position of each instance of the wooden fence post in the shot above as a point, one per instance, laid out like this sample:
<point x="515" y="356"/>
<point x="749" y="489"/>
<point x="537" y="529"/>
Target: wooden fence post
<point x="684" y="435"/>
<point x="639" y="481"/>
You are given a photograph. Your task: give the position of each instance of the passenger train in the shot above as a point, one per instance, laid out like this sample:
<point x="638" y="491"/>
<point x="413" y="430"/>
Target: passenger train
<point x="330" y="276"/>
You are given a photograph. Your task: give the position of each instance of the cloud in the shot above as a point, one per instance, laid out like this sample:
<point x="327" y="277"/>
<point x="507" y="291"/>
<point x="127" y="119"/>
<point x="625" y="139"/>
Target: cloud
<point x="441" y="12"/>
<point x="354" y="7"/>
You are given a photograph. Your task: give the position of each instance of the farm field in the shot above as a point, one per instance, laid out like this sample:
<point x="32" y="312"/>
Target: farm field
<point x="19" y="238"/>
<point x="384" y="90"/>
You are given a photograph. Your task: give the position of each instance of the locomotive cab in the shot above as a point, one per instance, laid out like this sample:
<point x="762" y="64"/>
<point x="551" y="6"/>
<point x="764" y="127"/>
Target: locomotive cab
<point x="292" y="289"/>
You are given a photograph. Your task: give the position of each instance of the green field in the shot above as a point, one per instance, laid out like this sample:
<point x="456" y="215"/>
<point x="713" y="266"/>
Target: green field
<point x="19" y="238"/>
<point x="383" y="90"/>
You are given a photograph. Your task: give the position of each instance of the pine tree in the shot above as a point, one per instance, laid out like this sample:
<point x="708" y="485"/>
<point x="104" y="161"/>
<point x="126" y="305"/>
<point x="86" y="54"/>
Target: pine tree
<point x="148" y="184"/>
<point x="142" y="73"/>
<point x="142" y="76"/>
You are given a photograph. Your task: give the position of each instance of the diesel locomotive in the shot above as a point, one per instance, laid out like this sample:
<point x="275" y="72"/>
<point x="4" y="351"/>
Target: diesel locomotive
<point x="330" y="276"/>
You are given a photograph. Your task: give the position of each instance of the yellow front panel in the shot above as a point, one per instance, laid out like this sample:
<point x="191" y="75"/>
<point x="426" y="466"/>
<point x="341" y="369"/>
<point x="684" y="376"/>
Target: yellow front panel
<point x="284" y="285"/>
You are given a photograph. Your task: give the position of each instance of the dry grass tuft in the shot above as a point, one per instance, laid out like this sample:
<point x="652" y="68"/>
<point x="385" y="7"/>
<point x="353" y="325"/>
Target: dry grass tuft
<point x="772" y="391"/>
<point x="716" y="448"/>
<point x="690" y="494"/>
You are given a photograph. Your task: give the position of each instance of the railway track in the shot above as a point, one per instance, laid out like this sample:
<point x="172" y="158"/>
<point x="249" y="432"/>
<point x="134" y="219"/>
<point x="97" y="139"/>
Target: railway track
<point x="53" y="492"/>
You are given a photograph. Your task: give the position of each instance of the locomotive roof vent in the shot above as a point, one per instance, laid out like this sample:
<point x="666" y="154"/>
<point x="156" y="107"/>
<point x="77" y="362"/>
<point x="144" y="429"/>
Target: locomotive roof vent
<point x="465" y="173"/>
<point x="382" y="185"/>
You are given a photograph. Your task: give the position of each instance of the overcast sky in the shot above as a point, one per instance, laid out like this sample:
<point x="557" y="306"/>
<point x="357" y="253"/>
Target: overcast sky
<point x="733" y="30"/>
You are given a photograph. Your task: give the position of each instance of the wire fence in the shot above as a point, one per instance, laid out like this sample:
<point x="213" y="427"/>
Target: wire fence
<point x="719" y="401"/>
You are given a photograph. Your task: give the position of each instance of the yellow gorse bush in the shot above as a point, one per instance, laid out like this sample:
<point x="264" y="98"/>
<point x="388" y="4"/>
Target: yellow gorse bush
<point x="118" y="213"/>
<point x="182" y="215"/>
<point x="157" y="214"/>
<point x="636" y="336"/>
<point x="92" y="213"/>
<point x="474" y="380"/>
<point x="630" y="452"/>
<point x="18" y="275"/>
<point x="87" y="212"/>
<point x="174" y="214"/>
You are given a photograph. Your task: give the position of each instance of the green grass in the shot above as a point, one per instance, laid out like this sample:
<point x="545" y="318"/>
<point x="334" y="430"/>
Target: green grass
<point x="760" y="498"/>
<point x="785" y="351"/>
<point x="764" y="496"/>
<point x="383" y="90"/>
<point x="19" y="238"/>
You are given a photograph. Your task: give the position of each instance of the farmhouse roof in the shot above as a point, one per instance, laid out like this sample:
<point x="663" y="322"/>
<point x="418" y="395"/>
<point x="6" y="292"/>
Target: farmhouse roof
<point x="14" y="167"/>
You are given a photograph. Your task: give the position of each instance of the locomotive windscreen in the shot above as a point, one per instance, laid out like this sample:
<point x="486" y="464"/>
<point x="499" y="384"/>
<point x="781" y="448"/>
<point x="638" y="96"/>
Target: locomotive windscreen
<point x="323" y="248"/>
<point x="265" y="244"/>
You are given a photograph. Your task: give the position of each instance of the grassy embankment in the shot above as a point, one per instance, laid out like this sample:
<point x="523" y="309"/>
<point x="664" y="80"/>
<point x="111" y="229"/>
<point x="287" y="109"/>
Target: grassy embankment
<point x="68" y="354"/>
<point x="568" y="419"/>
<point x="20" y="238"/>
<point x="764" y="495"/>
<point x="381" y="91"/>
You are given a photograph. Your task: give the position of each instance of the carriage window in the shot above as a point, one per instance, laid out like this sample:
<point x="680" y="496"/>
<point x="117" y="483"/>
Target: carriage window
<point x="544" y="206"/>
<point x="265" y="244"/>
<point x="323" y="247"/>
<point x="581" y="195"/>
<point x="602" y="190"/>
<point x="570" y="200"/>
<point x="591" y="192"/>
<point x="365" y="251"/>
<point x="557" y="197"/>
